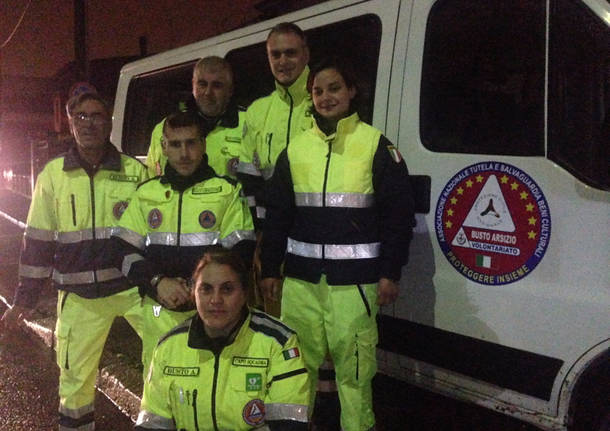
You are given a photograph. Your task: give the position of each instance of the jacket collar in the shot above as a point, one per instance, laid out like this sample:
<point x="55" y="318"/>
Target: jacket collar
<point x="298" y="89"/>
<point x="229" y="119"/>
<point x="198" y="339"/>
<point x="111" y="160"/>
<point x="180" y="183"/>
<point x="344" y="126"/>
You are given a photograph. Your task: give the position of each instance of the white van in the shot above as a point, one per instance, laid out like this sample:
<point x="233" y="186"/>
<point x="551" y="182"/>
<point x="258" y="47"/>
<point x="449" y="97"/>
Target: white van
<point x="501" y="109"/>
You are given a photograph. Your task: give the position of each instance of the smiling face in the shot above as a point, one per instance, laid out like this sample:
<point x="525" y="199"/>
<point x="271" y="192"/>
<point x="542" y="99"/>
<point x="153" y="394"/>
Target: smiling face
<point x="288" y="55"/>
<point x="90" y="124"/>
<point x="220" y="298"/>
<point x="212" y="89"/>
<point x="184" y="149"/>
<point x="331" y="96"/>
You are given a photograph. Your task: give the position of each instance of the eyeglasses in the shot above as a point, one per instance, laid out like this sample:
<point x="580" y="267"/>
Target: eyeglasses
<point x="95" y="118"/>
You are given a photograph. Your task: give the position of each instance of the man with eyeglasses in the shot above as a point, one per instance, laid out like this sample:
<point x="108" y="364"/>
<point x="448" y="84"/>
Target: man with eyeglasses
<point x="78" y="197"/>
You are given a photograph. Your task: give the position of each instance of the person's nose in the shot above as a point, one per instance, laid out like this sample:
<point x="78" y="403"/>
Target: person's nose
<point x="184" y="151"/>
<point x="216" y="298"/>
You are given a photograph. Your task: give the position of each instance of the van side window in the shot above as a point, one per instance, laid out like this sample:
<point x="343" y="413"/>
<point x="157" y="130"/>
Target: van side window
<point x="150" y="98"/>
<point x="579" y="93"/>
<point x="356" y="39"/>
<point x="482" y="87"/>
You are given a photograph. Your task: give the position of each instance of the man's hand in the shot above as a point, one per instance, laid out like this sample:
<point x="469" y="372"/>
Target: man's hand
<point x="272" y="288"/>
<point x="12" y="318"/>
<point x="173" y="292"/>
<point x="387" y="291"/>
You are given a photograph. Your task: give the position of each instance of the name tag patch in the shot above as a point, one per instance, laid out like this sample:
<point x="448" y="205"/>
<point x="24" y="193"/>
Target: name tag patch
<point x="125" y="178"/>
<point x="181" y="371"/>
<point x="239" y="361"/>
<point x="206" y="190"/>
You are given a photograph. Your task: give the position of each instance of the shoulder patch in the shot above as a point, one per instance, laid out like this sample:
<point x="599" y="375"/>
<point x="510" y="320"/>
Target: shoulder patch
<point x="271" y="327"/>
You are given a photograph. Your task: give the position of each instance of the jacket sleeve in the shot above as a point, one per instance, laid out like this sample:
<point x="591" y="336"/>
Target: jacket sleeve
<point x="129" y="247"/>
<point x="38" y="250"/>
<point x="237" y="228"/>
<point x="155" y="160"/>
<point x="286" y="401"/>
<point x="279" y="194"/>
<point x="394" y="198"/>
<point x="155" y="409"/>
<point x="248" y="172"/>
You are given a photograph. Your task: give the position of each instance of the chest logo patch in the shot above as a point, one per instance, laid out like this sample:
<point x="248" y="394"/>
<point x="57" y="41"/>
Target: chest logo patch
<point x="254" y="412"/>
<point x="493" y="223"/>
<point x="181" y="371"/>
<point x="254" y="382"/>
<point x="119" y="208"/>
<point x="207" y="219"/>
<point x="155" y="218"/>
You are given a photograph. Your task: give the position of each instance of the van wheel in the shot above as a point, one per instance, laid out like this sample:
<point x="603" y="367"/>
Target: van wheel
<point x="590" y="409"/>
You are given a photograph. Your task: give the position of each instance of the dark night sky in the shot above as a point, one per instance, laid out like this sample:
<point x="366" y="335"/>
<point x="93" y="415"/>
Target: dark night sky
<point x="44" y="42"/>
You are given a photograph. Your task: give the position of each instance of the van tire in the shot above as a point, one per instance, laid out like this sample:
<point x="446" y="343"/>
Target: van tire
<point x="590" y="407"/>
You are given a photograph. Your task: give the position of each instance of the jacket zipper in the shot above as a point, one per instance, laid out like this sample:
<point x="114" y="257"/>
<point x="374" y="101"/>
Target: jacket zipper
<point x="289" y="118"/>
<point x="326" y="169"/>
<point x="73" y="209"/>
<point x="366" y="302"/>
<point x="179" y="219"/>
<point x="214" y="384"/>
<point x="92" y="187"/>
<point x="195" y="409"/>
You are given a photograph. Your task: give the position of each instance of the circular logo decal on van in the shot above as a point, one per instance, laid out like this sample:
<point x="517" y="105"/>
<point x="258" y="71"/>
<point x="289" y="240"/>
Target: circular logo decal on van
<point x="493" y="223"/>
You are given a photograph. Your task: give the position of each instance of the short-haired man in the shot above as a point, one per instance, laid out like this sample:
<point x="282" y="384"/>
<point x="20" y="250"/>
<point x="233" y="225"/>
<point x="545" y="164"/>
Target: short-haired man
<point x="78" y="197"/>
<point x="271" y="123"/>
<point x="273" y="120"/>
<point x="221" y="118"/>
<point x="171" y="221"/>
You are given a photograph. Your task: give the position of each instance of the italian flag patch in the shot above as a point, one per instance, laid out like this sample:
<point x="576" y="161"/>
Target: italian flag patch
<point x="291" y="353"/>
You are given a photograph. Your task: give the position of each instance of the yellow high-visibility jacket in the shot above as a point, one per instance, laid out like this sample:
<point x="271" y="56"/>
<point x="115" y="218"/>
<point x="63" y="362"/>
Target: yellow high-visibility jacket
<point x="68" y="229"/>
<point x="254" y="378"/>
<point x="272" y="122"/>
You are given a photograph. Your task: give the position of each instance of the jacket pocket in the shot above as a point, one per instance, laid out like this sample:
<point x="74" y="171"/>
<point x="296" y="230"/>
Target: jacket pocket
<point x="62" y="346"/>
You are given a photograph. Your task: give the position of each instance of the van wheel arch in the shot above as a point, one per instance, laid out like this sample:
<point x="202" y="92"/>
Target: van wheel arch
<point x="589" y="406"/>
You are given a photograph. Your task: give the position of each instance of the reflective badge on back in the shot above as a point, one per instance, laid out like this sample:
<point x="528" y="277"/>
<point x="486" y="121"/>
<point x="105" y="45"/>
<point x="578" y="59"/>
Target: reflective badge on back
<point x="493" y="223"/>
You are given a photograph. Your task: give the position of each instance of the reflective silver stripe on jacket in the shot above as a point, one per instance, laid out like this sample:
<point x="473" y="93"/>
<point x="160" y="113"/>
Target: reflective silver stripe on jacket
<point x="40" y="234"/>
<point x="278" y="412"/>
<point x="130" y="236"/>
<point x="267" y="172"/>
<point x="86" y="277"/>
<point x="153" y="421"/>
<point x="186" y="239"/>
<point x="333" y="251"/>
<point x="343" y="200"/>
<point x="83" y="235"/>
<point x="129" y="260"/>
<point x="237" y="235"/>
<point x="248" y="168"/>
<point x="35" y="271"/>
<point x="260" y="212"/>
<point x="251" y="201"/>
